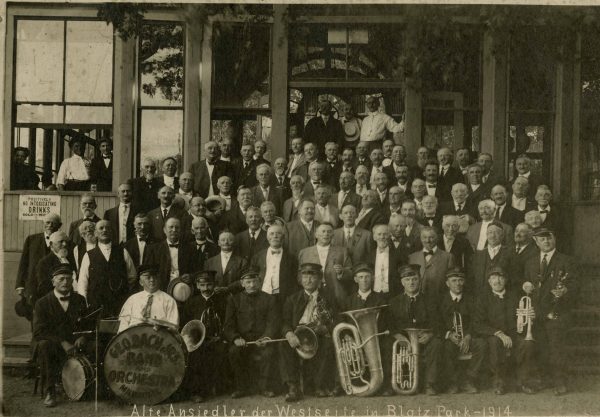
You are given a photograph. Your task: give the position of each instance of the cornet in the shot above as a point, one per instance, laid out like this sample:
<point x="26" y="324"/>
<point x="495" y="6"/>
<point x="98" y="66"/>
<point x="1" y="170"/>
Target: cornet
<point x="523" y="312"/>
<point x="458" y="329"/>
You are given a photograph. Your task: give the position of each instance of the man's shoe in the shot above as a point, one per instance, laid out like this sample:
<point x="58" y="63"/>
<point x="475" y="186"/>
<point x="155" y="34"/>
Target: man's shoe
<point x="499" y="390"/>
<point x="197" y="398"/>
<point x="237" y="394"/>
<point x="293" y="395"/>
<point x="560" y="390"/>
<point x="388" y="392"/>
<point x="452" y="389"/>
<point x="527" y="389"/>
<point x="336" y="391"/>
<point x="429" y="390"/>
<point x="320" y="393"/>
<point x="469" y="388"/>
<point x="268" y="394"/>
<point x="50" y="400"/>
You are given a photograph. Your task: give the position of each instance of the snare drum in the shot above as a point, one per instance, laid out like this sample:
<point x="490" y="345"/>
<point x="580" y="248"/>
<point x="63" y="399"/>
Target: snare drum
<point x="145" y="364"/>
<point x="77" y="376"/>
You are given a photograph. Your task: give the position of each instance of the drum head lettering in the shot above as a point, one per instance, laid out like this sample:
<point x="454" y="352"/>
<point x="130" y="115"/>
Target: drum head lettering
<point x="145" y="364"/>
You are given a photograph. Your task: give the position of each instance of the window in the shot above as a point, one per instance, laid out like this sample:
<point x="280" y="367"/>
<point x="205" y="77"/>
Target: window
<point x="161" y="91"/>
<point x="63" y="89"/>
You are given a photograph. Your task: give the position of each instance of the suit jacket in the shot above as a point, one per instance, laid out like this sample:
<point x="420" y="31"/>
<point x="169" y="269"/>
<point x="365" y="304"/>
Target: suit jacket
<point x="309" y="189"/>
<point x="295" y="304"/>
<point x="358" y="247"/>
<point x="394" y="261"/>
<point x="334" y="216"/>
<point x="511" y="216"/>
<point x="445" y="182"/>
<point x="145" y="194"/>
<point x="373" y="217"/>
<point x="436" y="222"/>
<point x="481" y="264"/>
<point x="446" y="309"/>
<point x="288" y="272"/>
<point x="246" y="249"/>
<point x="230" y="277"/>
<point x="158" y="222"/>
<point x="493" y="314"/>
<point x="386" y="200"/>
<point x="74" y="235"/>
<point x="244" y="176"/>
<point x="282" y="188"/>
<point x="100" y="174"/>
<point x="234" y="220"/>
<point x="133" y="249"/>
<point x="112" y="215"/>
<point x="475" y="229"/>
<point x="337" y="255"/>
<point x="202" y="181"/>
<point x="355" y="302"/>
<point x="158" y="254"/>
<point x="553" y="219"/>
<point x="531" y="250"/>
<point x="297" y="237"/>
<point x="301" y="161"/>
<point x="461" y="249"/>
<point x="433" y="273"/>
<point x="43" y="274"/>
<point x="412" y="242"/>
<point x="400" y="315"/>
<point x="351" y="199"/>
<point x="534" y="181"/>
<point x="251" y="316"/>
<point x="51" y="322"/>
<point x="474" y="197"/>
<point x="387" y="212"/>
<point x="366" y="162"/>
<point x="197" y="304"/>
<point x="449" y="208"/>
<point x="34" y="249"/>
<point x="319" y="133"/>
<point x="332" y="173"/>
<point x="290" y="211"/>
<point x="273" y="196"/>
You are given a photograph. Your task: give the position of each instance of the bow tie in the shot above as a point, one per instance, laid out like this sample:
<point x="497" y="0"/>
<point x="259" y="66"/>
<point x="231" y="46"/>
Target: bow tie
<point x="428" y="253"/>
<point x="174" y="245"/>
<point x="210" y="163"/>
<point x="543" y="211"/>
<point x="499" y="296"/>
<point x="317" y="182"/>
<point x="142" y="239"/>
<point x="431" y="185"/>
<point x="105" y="157"/>
<point x="275" y="251"/>
<point x="430" y="218"/>
<point x="65" y="298"/>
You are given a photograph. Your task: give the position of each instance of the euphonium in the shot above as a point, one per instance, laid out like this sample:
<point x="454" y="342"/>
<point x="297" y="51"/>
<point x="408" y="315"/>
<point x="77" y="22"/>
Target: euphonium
<point x="458" y="329"/>
<point x="523" y="318"/>
<point x="357" y="350"/>
<point x="405" y="362"/>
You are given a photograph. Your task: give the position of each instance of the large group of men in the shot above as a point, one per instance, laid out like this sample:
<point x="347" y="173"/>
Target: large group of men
<point x="267" y="247"/>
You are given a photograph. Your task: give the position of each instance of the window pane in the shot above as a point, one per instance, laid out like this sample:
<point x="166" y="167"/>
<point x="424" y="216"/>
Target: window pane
<point x="89" y="62"/>
<point x="89" y="115"/>
<point x="39" y="71"/>
<point x="241" y="65"/>
<point x="161" y="133"/>
<point x="28" y="113"/>
<point x="161" y="65"/>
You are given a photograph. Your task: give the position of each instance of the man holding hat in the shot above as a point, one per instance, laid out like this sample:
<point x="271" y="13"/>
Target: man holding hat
<point x="56" y="317"/>
<point x="413" y="309"/>
<point x="313" y="307"/>
<point x="206" y="363"/>
<point x="554" y="277"/>
<point x="457" y="342"/>
<point x="496" y="322"/>
<point x="150" y="303"/>
<point x="251" y="315"/>
<point x="74" y="174"/>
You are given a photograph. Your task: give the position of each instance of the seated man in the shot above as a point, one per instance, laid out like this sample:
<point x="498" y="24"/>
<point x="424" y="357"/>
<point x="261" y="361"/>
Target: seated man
<point x="413" y="309"/>
<point x="251" y="315"/>
<point x="205" y="363"/>
<point x="313" y="307"/>
<point x="55" y="317"/>
<point x="457" y="309"/>
<point x="496" y="321"/>
<point x="151" y="303"/>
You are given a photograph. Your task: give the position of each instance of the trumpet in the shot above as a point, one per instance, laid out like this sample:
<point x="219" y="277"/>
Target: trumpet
<point x="357" y="350"/>
<point x="405" y="362"/>
<point x="458" y="329"/>
<point x="309" y="344"/>
<point x="523" y="312"/>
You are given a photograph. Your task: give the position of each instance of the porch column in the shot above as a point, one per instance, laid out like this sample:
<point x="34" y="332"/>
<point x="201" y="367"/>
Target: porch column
<point x="279" y="83"/>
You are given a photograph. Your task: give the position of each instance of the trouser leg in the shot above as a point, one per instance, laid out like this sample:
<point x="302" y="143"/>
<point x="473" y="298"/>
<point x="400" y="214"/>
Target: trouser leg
<point x="239" y="360"/>
<point x="431" y="354"/>
<point x="267" y="363"/>
<point x="449" y="366"/>
<point x="477" y="347"/>
<point x="497" y="360"/>
<point x="524" y="352"/>
<point x="291" y="364"/>
<point x="50" y="357"/>
<point x="324" y="359"/>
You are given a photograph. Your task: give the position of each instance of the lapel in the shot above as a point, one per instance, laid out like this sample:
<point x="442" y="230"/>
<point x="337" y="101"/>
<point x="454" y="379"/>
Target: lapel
<point x="356" y="236"/>
<point x="229" y="265"/>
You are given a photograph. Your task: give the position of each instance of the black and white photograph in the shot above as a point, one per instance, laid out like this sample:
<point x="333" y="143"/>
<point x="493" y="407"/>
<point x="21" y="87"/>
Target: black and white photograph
<point x="300" y="209"/>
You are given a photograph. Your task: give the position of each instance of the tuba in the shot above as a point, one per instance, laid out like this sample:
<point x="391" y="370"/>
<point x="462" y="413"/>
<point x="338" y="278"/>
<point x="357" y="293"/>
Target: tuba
<point x="357" y="350"/>
<point x="458" y="329"/>
<point x="405" y="362"/>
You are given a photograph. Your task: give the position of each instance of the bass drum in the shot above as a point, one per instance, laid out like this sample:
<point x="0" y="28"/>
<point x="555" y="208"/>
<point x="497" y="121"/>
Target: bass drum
<point x="145" y="364"/>
<point x="77" y="376"/>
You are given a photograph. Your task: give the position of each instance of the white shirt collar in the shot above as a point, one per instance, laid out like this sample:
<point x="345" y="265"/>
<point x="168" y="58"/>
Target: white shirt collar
<point x="501" y="293"/>
<point x="364" y="295"/>
<point x="549" y="255"/>
<point x="456" y="296"/>
<point x="58" y="295"/>
<point x="105" y="246"/>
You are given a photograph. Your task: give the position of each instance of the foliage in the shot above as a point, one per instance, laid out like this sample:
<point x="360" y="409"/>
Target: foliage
<point x="126" y="18"/>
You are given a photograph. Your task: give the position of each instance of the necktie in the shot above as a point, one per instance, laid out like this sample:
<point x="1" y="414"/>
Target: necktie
<point x="165" y="213"/>
<point x="245" y="165"/>
<point x="497" y="216"/>
<point x="518" y="249"/>
<point x="411" y="312"/>
<point x="442" y="171"/>
<point x="142" y="239"/>
<point x="431" y="185"/>
<point x="544" y="266"/>
<point x="459" y="207"/>
<point x="280" y="180"/>
<point x="348" y="235"/>
<point x="275" y="251"/>
<point x="147" y="307"/>
<point x="317" y="182"/>
<point x="105" y="157"/>
<point x="456" y="300"/>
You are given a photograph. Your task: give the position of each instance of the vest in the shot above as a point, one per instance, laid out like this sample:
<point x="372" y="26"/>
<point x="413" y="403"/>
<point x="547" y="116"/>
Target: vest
<point x="107" y="285"/>
<point x="81" y="250"/>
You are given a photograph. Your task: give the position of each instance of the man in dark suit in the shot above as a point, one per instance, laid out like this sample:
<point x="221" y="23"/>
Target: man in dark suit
<point x="174" y="257"/>
<point x="381" y="186"/>
<point x="316" y="307"/>
<point x="456" y="244"/>
<point x="264" y="191"/>
<point x="137" y="246"/>
<point x="145" y="188"/>
<point x="316" y="174"/>
<point x="455" y="319"/>
<point x="554" y="277"/>
<point x="333" y="166"/>
<point x="358" y="241"/>
<point x="60" y="253"/>
<point x="165" y="211"/>
<point x="371" y="213"/>
<point x="324" y="127"/>
<point x="289" y="210"/>
<point x="397" y="228"/>
<point x="205" y="248"/>
<point x="207" y="171"/>
<point x="434" y="263"/>
<point x="385" y="261"/>
<point x="496" y="322"/>
<point x="520" y="195"/>
<point x="398" y="160"/>
<point x="489" y="176"/>
<point x="346" y="195"/>
<point x="362" y="156"/>
<point x="235" y="219"/>
<point x="459" y="205"/>
<point x="280" y="181"/>
<point x="121" y="217"/>
<point x="523" y="167"/>
<point x="478" y="191"/>
<point x="300" y="233"/>
<point x="495" y="254"/>
<point x="311" y="154"/>
<point x="364" y="297"/>
<point x="411" y="239"/>
<point x="551" y="218"/>
<point x="36" y="246"/>
<point x="278" y="269"/>
<point x="88" y="209"/>
<point x="524" y="249"/>
<point x="504" y="211"/>
<point x="101" y="167"/>
<point x="348" y="163"/>
<point x="242" y="327"/>
<point x="227" y="265"/>
<point x="447" y="175"/>
<point x="417" y="170"/>
<point x="244" y="168"/>
<point x="56" y="317"/>
<point x="432" y="185"/>
<point x="431" y="215"/>
<point x="296" y="158"/>
<point x="252" y="240"/>
<point x="395" y="198"/>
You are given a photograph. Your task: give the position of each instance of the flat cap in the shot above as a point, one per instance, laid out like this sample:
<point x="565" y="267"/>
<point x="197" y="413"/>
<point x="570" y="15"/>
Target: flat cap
<point x="497" y="270"/>
<point x="250" y="272"/>
<point x="61" y="269"/>
<point x="147" y="268"/>
<point x="310" y="268"/>
<point x="362" y="267"/>
<point x="543" y="231"/>
<point x="206" y="275"/>
<point x="455" y="272"/>
<point x="409" y="270"/>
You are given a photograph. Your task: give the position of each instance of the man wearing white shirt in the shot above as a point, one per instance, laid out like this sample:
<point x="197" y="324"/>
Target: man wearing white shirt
<point x="431" y="179"/>
<point x="107" y="273"/>
<point x="73" y="174"/>
<point x="381" y="186"/>
<point x="150" y="303"/>
<point x="376" y="124"/>
<point x="362" y="180"/>
<point x="138" y="245"/>
<point x="224" y="185"/>
<point x="169" y="168"/>
<point x="383" y="269"/>
<point x="477" y="233"/>
<point x="520" y="188"/>
<point x="376" y="165"/>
